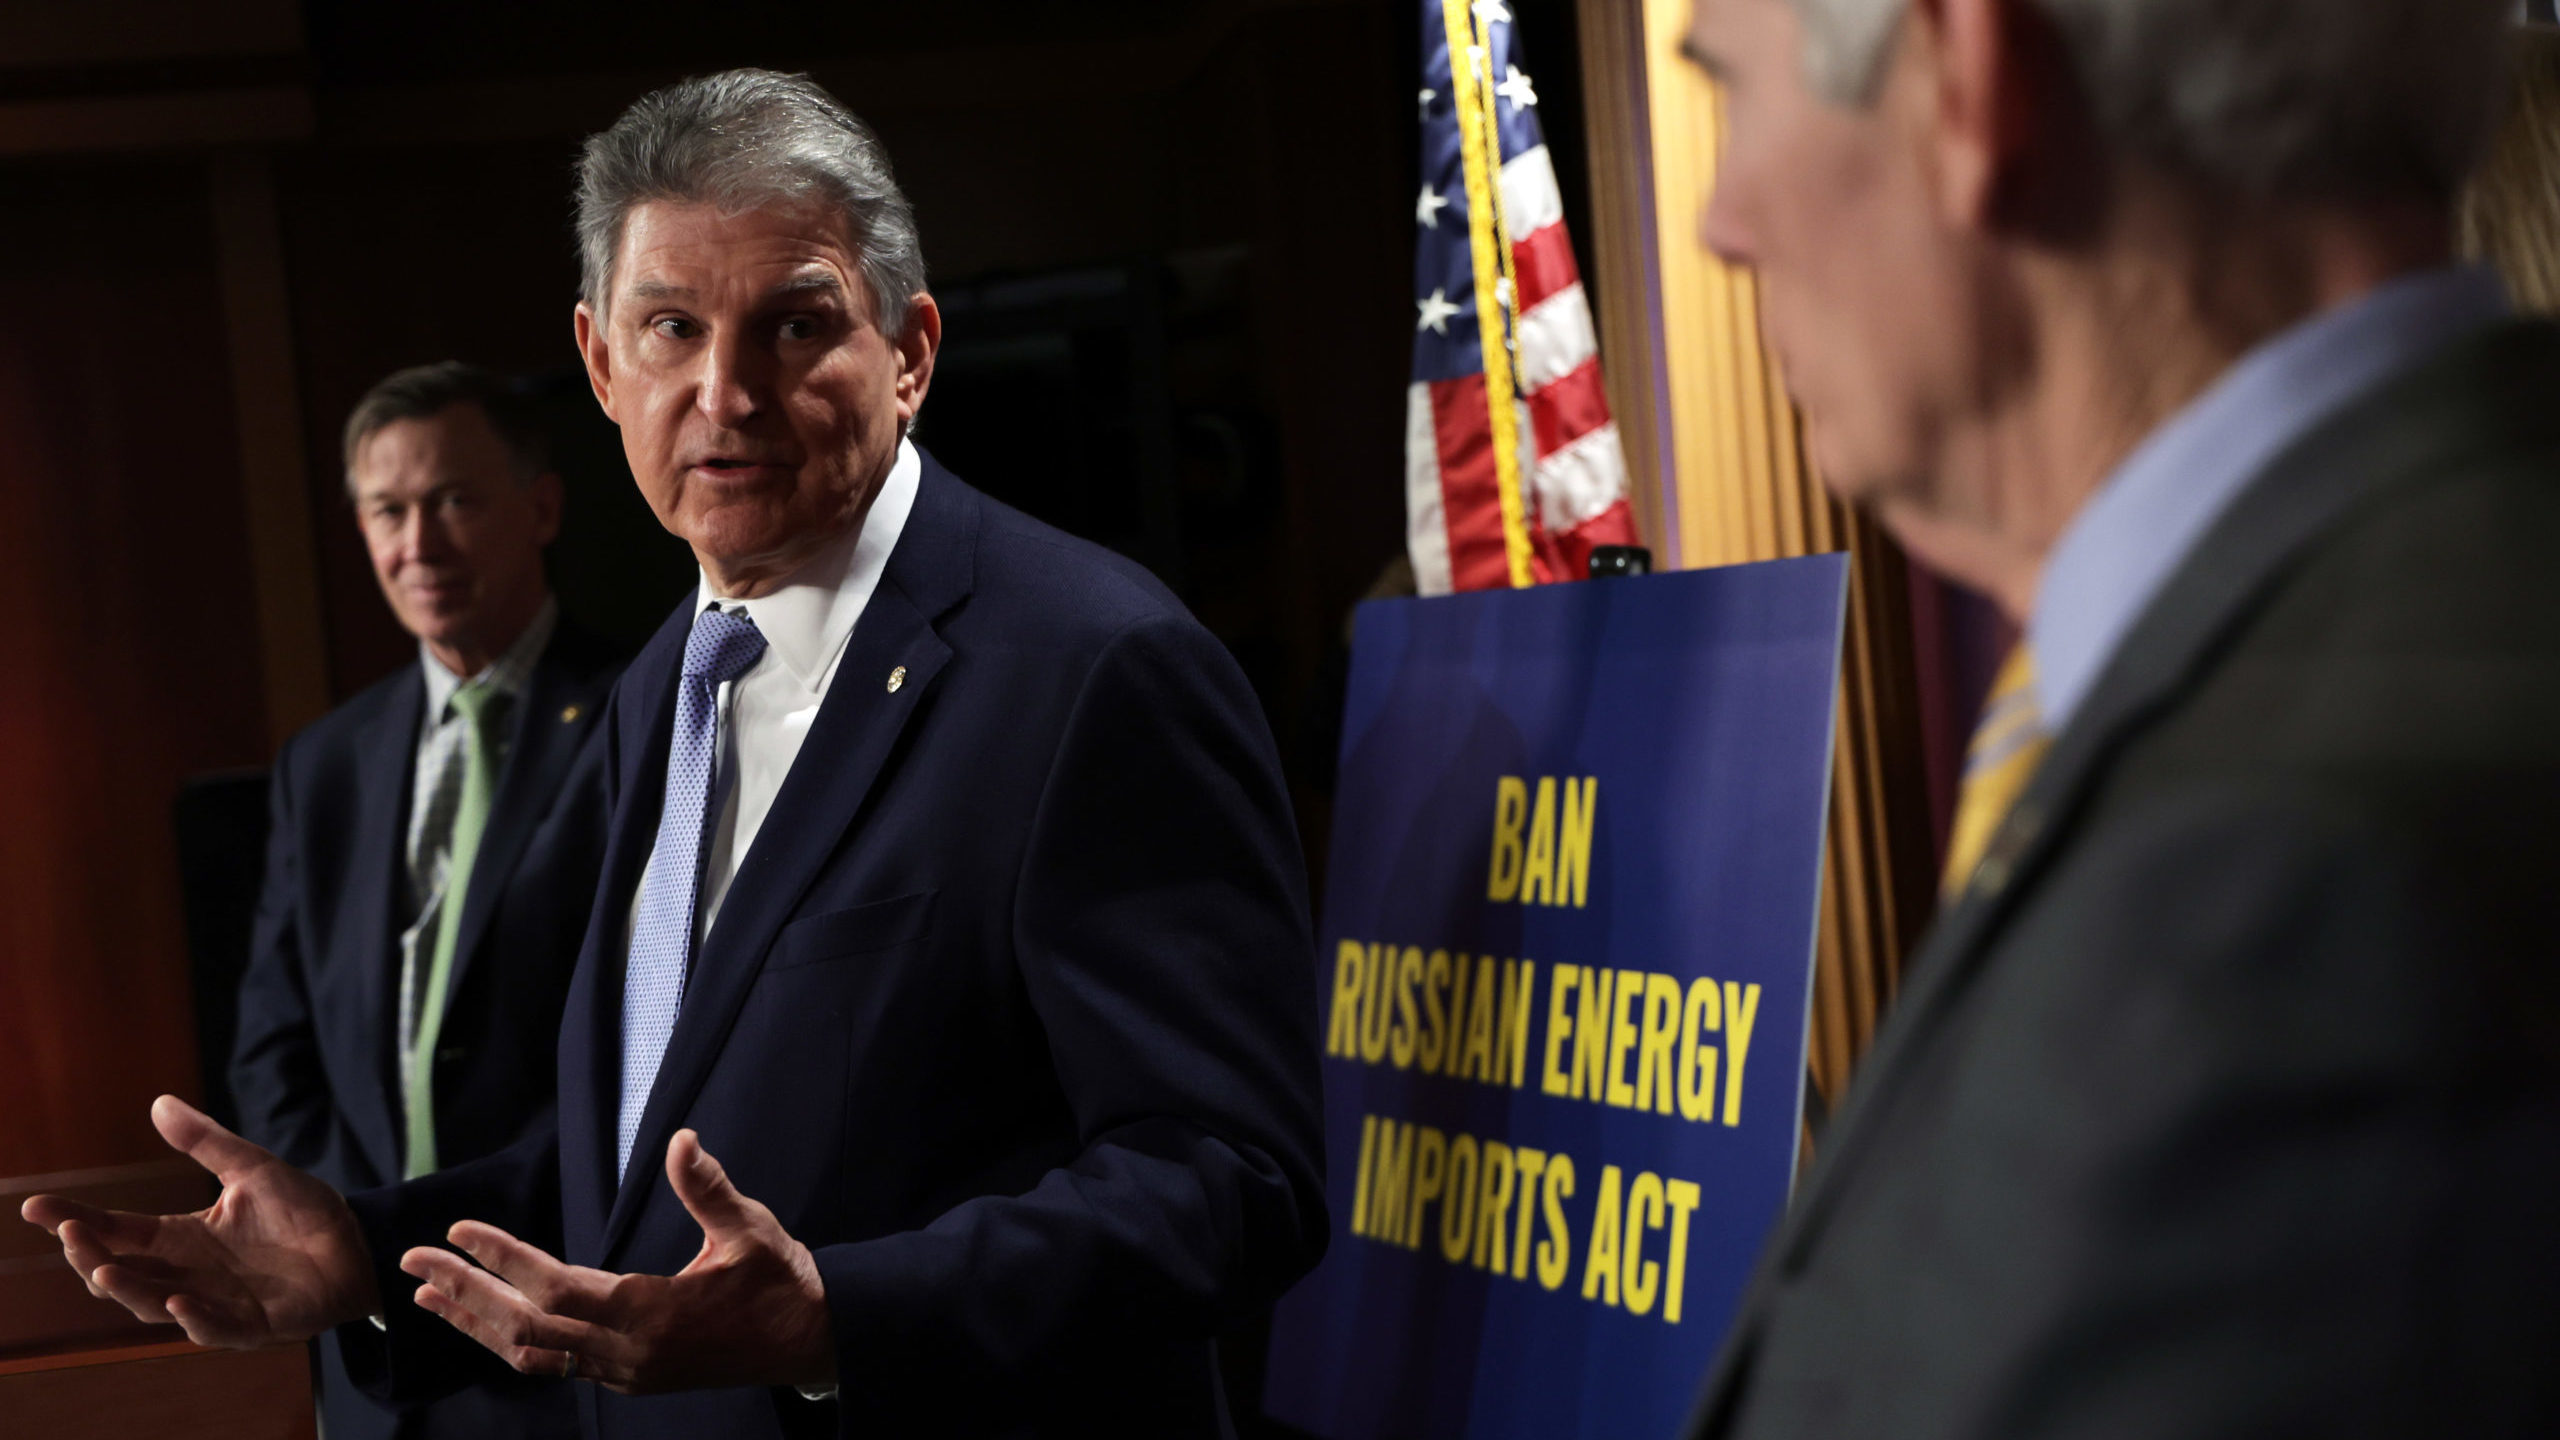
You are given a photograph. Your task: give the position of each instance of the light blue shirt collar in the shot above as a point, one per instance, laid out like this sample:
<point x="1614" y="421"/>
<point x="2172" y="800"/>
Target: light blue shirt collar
<point x="2132" y="535"/>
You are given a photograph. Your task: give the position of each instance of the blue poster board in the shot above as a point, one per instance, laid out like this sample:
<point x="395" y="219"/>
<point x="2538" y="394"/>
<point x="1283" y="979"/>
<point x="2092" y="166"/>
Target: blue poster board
<point x="1567" y="950"/>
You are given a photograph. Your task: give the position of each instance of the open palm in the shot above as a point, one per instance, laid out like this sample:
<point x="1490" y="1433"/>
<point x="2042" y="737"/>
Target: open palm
<point x="277" y="1259"/>
<point x="750" y="1310"/>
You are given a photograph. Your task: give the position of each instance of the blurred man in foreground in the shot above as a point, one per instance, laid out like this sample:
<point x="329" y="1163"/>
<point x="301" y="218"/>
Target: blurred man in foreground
<point x="432" y="850"/>
<point x="2225" y="1098"/>
<point x="951" y="896"/>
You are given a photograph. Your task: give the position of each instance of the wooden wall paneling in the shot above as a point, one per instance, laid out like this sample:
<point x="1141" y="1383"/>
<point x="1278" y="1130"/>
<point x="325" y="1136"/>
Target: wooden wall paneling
<point x="131" y="656"/>
<point x="1617" y="128"/>
<point x="186" y="121"/>
<point x="1735" y="486"/>
<point x="266" y="399"/>
<point x="140" y="32"/>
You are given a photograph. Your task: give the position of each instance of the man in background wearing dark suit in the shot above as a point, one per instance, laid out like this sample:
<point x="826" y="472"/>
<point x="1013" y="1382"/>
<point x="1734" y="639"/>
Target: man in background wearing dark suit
<point x="952" y="899"/>
<point x="433" y="850"/>
<point x="2225" y="1098"/>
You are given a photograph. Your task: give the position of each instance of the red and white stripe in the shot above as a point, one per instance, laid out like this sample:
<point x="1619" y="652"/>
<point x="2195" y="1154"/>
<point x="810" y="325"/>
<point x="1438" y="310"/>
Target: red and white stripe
<point x="1574" y="471"/>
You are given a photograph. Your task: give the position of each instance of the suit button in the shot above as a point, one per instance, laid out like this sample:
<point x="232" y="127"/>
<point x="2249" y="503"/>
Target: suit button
<point x="2016" y="833"/>
<point x="1991" y="876"/>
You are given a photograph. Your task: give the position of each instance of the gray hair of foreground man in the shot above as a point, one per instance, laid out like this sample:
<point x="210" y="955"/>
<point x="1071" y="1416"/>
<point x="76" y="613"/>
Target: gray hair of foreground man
<point x="2269" y="99"/>
<point x="424" y="390"/>
<point x="739" y="140"/>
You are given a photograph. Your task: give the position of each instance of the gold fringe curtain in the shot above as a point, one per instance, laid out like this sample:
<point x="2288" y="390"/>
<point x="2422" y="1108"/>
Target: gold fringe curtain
<point x="1718" y="467"/>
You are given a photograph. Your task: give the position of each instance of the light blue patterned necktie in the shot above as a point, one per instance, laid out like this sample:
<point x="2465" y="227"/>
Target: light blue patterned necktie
<point x="721" y="648"/>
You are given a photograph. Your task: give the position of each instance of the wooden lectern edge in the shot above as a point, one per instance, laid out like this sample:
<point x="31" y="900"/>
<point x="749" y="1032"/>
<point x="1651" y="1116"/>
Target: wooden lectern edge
<point x="48" y="1319"/>
<point x="158" y="1386"/>
<point x="75" y="1358"/>
<point x="62" y="1181"/>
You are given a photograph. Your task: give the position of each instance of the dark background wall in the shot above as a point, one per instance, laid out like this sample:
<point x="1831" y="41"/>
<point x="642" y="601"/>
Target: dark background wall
<point x="128" y="657"/>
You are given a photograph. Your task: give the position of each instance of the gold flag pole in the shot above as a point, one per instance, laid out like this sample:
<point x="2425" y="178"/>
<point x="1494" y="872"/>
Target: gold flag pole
<point x="1478" y="139"/>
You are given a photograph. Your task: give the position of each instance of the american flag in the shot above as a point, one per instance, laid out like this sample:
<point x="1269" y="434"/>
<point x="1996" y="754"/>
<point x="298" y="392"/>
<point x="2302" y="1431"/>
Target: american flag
<point x="1512" y="466"/>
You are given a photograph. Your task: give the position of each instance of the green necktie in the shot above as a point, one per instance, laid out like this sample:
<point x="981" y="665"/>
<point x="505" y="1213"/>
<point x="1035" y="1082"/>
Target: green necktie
<point x="479" y="707"/>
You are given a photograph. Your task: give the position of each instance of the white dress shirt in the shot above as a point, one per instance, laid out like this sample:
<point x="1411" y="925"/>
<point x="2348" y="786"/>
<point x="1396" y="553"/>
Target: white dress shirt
<point x="436" y="792"/>
<point x="763" y="716"/>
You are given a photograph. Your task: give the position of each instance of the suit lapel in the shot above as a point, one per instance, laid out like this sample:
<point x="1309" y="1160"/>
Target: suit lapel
<point x="2475" y="395"/>
<point x="389" y="750"/>
<point x="643" y="717"/>
<point x="555" y="712"/>
<point x="858" y="725"/>
<point x="848" y="749"/>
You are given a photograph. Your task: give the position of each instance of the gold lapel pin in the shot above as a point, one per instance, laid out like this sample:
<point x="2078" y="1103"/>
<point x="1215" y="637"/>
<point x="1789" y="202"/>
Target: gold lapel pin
<point x="569" y="715"/>
<point x="897" y="678"/>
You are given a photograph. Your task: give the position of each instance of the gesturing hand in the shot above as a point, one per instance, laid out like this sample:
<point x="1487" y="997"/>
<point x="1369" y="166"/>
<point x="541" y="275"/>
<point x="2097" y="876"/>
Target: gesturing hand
<point x="749" y="1310"/>
<point x="276" y="1259"/>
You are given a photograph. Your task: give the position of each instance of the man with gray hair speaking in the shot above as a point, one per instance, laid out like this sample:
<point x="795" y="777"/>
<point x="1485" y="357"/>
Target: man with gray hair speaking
<point x="2225" y="1098"/>
<point x="950" y="897"/>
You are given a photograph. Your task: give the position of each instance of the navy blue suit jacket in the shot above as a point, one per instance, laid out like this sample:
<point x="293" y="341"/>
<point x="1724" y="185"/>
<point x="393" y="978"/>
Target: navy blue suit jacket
<point x="315" y="1064"/>
<point x="1009" y="1015"/>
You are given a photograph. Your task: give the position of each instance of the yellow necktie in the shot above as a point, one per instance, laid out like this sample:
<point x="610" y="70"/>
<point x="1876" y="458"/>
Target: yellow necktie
<point x="2007" y="747"/>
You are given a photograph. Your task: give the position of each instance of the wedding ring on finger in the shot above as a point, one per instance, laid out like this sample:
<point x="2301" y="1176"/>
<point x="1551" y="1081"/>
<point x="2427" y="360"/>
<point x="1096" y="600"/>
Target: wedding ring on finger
<point x="568" y="1365"/>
